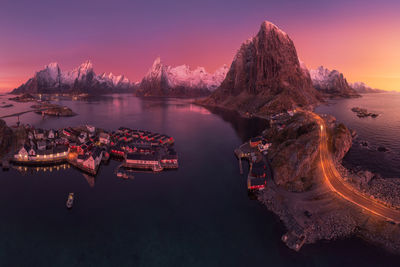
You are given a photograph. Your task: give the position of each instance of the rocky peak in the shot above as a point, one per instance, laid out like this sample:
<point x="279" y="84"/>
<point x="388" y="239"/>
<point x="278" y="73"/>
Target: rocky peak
<point x="265" y="66"/>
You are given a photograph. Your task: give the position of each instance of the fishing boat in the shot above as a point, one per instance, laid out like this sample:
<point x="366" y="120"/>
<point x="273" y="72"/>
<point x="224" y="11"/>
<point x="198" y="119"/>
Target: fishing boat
<point x="70" y="200"/>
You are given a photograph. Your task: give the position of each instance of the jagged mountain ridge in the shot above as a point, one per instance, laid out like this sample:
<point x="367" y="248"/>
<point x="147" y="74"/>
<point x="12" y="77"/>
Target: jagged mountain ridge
<point x="331" y="83"/>
<point x="265" y="76"/>
<point x="82" y="79"/>
<point x="179" y="81"/>
<point x="362" y="88"/>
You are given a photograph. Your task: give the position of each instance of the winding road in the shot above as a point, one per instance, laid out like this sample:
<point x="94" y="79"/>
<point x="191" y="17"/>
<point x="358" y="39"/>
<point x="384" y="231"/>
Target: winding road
<point x="336" y="183"/>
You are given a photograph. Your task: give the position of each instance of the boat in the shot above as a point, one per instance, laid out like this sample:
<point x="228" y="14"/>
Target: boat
<point x="70" y="200"/>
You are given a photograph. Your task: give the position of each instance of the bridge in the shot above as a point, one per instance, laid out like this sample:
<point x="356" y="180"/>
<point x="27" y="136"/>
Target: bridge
<point x="22" y="113"/>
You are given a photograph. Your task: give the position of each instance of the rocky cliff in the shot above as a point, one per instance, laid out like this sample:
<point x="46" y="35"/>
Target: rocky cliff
<point x="180" y="81"/>
<point x="265" y="76"/>
<point x="295" y="149"/>
<point x="332" y="84"/>
<point x="83" y="79"/>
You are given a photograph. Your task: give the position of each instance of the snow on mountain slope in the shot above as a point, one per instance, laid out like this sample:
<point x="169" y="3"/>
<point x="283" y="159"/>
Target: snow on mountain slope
<point x="162" y="79"/>
<point x="80" y="79"/>
<point x="332" y="83"/>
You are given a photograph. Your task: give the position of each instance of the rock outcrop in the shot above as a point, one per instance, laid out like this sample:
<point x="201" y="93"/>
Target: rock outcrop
<point x="265" y="76"/>
<point x="295" y="149"/>
<point x="83" y="79"/>
<point x="162" y="80"/>
<point x="332" y="84"/>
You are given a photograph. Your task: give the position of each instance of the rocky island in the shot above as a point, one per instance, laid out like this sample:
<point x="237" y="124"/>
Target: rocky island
<point x="363" y="113"/>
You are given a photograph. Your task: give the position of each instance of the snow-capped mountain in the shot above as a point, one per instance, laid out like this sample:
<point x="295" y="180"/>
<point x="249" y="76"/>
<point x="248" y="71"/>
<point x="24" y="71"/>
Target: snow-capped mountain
<point x="82" y="79"/>
<point x="331" y="83"/>
<point x="362" y="88"/>
<point x="180" y="81"/>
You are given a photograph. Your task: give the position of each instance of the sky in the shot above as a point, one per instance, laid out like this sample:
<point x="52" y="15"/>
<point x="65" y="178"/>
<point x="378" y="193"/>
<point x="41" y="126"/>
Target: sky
<point x="359" y="38"/>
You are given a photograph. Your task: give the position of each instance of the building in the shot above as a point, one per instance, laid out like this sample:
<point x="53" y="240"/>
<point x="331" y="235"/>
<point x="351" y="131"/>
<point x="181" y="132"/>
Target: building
<point x="41" y="145"/>
<point x="82" y="138"/>
<point x="52" y="134"/>
<point x="23" y="153"/>
<point x="104" y="138"/>
<point x="91" y="129"/>
<point x="142" y="161"/>
<point x="39" y="134"/>
<point x="263" y="146"/>
<point x="255" y="183"/>
<point x="255" y="141"/>
<point x="258" y="169"/>
<point x="94" y="159"/>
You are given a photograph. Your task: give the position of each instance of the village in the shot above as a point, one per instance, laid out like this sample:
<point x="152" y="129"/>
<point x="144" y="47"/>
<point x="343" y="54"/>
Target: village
<point x="86" y="147"/>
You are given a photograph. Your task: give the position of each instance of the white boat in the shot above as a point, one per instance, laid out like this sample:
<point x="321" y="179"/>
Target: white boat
<point x="70" y="200"/>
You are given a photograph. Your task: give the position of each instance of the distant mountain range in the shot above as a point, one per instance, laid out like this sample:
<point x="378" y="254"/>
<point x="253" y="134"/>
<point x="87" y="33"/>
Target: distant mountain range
<point x="266" y="76"/>
<point x="180" y="81"/>
<point x="79" y="80"/>
<point x="362" y="88"/>
<point x="332" y="84"/>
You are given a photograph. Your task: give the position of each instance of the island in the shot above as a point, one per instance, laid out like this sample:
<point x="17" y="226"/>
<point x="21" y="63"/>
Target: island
<point x="85" y="147"/>
<point x="363" y="113"/>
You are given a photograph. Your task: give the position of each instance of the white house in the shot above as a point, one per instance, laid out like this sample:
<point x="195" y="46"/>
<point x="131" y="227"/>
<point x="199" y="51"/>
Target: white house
<point x="104" y="138"/>
<point x="51" y="134"/>
<point x="93" y="161"/>
<point x="91" y="128"/>
<point x="23" y="153"/>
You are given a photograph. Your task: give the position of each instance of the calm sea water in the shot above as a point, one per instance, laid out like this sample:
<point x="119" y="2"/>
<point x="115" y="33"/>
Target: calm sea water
<point x="383" y="131"/>
<point x="199" y="215"/>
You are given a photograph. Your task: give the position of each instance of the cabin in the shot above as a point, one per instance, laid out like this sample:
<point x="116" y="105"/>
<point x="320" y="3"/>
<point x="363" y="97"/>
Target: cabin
<point x="104" y="138"/>
<point x="258" y="169"/>
<point x="39" y="134"/>
<point x="94" y="159"/>
<point x="82" y="138"/>
<point x="52" y="134"/>
<point x="41" y="145"/>
<point x="23" y="152"/>
<point x="30" y="135"/>
<point x="255" y="141"/>
<point x="263" y="146"/>
<point x="140" y="161"/>
<point x="32" y="151"/>
<point x="91" y="129"/>
<point x="67" y="132"/>
<point x="255" y="183"/>
<point x="81" y="158"/>
<point x="170" y="160"/>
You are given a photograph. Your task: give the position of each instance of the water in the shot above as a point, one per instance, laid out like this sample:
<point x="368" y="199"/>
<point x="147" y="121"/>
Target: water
<point x="382" y="131"/>
<point x="199" y="215"/>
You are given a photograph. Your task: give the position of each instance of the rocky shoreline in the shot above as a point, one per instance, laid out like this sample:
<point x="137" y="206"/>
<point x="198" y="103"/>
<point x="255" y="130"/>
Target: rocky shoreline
<point x="308" y="208"/>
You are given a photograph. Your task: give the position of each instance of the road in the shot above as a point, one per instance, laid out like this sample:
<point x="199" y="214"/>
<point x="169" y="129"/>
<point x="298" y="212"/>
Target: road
<point x="337" y="184"/>
<point x="23" y="112"/>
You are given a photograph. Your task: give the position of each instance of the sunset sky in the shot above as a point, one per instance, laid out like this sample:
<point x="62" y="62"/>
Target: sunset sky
<point x="359" y="38"/>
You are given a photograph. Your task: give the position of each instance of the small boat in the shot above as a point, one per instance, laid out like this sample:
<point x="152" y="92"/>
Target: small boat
<point x="70" y="200"/>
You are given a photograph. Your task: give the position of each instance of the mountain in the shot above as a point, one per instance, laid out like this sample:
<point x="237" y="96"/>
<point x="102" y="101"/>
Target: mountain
<point x="180" y="81"/>
<point x="362" y="88"/>
<point x="82" y="79"/>
<point x="332" y="84"/>
<point x="265" y="76"/>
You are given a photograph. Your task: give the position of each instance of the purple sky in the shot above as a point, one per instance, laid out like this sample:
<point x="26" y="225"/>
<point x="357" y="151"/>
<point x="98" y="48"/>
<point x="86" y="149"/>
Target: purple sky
<point x="124" y="37"/>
